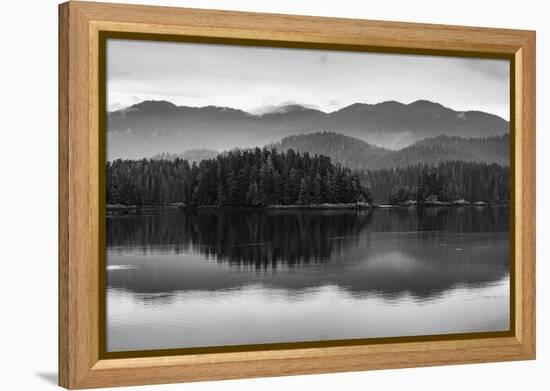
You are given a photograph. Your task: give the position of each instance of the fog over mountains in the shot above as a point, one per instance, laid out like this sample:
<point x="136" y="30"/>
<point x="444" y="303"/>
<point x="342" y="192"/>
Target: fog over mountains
<point x="389" y="130"/>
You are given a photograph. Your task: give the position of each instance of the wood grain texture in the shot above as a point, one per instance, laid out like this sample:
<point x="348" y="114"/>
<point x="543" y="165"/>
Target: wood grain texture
<point x="63" y="221"/>
<point x="79" y="168"/>
<point x="525" y="120"/>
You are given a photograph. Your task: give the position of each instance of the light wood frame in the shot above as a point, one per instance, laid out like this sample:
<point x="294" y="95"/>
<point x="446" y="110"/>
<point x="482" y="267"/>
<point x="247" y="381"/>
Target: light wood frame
<point x="80" y="244"/>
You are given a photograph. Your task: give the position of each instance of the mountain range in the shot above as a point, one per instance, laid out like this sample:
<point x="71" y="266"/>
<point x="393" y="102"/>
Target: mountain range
<point x="151" y="127"/>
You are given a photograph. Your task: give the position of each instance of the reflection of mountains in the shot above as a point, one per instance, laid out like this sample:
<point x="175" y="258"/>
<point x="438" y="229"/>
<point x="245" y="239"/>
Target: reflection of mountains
<point x="376" y="251"/>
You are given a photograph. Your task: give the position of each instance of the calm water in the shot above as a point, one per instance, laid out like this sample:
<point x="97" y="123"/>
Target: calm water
<point x="211" y="278"/>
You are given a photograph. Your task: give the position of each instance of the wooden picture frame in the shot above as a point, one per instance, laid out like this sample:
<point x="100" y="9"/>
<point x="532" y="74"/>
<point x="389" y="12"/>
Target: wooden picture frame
<point x="81" y="159"/>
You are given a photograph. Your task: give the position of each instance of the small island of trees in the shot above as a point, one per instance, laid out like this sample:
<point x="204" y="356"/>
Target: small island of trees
<point x="255" y="177"/>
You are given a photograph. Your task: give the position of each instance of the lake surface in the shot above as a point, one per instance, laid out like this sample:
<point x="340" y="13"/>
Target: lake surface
<point x="232" y="277"/>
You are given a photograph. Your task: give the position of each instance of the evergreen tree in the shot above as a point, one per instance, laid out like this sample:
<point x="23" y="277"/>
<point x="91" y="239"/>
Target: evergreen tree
<point x="266" y="183"/>
<point x="303" y="198"/>
<point x="294" y="185"/>
<point x="316" y="190"/>
<point x="252" y="197"/>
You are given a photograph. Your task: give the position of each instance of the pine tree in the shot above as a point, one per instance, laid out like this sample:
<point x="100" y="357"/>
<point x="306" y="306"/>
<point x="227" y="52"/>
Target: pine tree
<point x="294" y="185"/>
<point x="252" y="197"/>
<point x="266" y="184"/>
<point x="232" y="189"/>
<point x="303" y="198"/>
<point x="221" y="196"/>
<point x="316" y="190"/>
<point x="278" y="188"/>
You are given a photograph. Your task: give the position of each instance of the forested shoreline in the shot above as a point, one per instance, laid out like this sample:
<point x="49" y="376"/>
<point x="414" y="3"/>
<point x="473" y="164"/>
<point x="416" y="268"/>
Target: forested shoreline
<point x="266" y="177"/>
<point x="446" y="182"/>
<point x="256" y="177"/>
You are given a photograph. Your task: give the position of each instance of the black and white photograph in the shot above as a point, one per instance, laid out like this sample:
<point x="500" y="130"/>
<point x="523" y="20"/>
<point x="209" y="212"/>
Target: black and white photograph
<point x="268" y="195"/>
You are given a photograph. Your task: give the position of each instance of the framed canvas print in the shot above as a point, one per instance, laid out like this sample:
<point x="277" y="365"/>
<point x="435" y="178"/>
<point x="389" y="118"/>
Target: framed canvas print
<point x="248" y="195"/>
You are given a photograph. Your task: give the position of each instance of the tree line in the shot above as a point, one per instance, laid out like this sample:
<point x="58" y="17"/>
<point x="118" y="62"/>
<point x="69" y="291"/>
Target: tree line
<point x="447" y="181"/>
<point x="254" y="177"/>
<point x="260" y="177"/>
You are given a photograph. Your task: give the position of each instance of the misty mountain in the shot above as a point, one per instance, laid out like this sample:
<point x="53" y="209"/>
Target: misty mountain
<point x="358" y="154"/>
<point x="152" y="127"/>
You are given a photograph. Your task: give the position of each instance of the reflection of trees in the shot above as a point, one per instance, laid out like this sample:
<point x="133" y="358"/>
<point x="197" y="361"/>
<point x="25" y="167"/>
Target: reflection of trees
<point x="269" y="238"/>
<point x="244" y="237"/>
<point x="375" y="251"/>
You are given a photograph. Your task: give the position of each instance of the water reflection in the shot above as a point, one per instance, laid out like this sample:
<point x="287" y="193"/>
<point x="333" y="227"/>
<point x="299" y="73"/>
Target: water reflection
<point x="421" y="251"/>
<point x="190" y="272"/>
<point x="266" y="237"/>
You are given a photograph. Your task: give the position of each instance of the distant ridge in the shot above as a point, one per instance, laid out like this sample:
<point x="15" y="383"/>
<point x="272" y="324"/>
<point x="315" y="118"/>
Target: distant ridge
<point x="357" y="154"/>
<point x="348" y="151"/>
<point x="152" y="127"/>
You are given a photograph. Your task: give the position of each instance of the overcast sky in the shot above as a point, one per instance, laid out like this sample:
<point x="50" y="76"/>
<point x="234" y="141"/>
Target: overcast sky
<point x="255" y="79"/>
